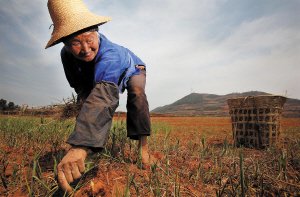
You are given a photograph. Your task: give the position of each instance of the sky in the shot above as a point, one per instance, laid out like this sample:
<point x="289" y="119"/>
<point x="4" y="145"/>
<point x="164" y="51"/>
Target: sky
<point x="189" y="46"/>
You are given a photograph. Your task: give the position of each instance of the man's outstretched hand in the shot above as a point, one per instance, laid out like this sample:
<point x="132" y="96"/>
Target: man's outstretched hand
<point x="71" y="167"/>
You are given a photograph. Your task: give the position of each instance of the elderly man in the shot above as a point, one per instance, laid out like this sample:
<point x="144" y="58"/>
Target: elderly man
<point x="98" y="70"/>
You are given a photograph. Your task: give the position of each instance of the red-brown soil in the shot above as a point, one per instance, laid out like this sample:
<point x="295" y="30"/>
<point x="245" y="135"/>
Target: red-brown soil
<point x="179" y="165"/>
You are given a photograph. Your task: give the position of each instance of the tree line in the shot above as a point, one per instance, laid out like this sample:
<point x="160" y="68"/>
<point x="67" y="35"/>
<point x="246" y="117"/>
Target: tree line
<point x="7" y="106"/>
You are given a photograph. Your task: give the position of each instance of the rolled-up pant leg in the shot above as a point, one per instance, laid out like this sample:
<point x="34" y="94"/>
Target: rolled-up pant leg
<point x="95" y="117"/>
<point x="138" y="117"/>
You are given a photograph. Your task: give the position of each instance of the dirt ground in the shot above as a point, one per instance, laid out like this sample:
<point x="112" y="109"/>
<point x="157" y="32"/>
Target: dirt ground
<point x="194" y="155"/>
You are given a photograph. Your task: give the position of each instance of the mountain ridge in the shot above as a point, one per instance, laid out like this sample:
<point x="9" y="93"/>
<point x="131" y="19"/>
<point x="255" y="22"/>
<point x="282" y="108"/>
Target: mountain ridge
<point x="202" y="104"/>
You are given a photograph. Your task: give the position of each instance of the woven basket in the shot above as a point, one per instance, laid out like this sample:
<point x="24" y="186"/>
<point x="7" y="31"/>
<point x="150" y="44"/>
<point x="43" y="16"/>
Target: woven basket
<point x="256" y="120"/>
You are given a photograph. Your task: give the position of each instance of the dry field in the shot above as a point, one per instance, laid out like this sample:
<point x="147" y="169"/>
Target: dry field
<point x="196" y="157"/>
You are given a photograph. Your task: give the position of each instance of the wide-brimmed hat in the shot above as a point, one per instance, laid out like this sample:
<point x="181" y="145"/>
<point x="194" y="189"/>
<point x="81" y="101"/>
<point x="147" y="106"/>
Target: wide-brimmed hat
<point x="70" y="16"/>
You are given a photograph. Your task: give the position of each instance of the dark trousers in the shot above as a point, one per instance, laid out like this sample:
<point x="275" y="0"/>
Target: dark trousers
<point x="95" y="117"/>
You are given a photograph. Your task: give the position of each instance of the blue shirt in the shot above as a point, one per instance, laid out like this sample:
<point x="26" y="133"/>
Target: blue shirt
<point x="113" y="63"/>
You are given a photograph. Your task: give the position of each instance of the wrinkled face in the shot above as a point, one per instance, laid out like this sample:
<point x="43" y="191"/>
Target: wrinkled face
<point x="84" y="46"/>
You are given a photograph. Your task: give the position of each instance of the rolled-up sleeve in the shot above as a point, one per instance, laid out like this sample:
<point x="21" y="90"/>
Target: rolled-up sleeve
<point x="95" y="117"/>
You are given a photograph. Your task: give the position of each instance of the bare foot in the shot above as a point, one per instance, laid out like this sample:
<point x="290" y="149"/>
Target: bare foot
<point x="145" y="157"/>
<point x="147" y="160"/>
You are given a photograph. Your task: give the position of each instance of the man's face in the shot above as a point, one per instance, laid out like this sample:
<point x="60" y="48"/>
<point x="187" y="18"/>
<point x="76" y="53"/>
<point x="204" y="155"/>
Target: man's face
<point x="84" y="46"/>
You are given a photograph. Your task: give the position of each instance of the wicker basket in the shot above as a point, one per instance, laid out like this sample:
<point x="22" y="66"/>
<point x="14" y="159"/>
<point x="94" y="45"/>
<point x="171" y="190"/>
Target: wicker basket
<point x="256" y="120"/>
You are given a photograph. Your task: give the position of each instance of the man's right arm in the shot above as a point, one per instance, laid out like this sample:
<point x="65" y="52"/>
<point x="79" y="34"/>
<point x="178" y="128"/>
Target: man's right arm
<point x="72" y="165"/>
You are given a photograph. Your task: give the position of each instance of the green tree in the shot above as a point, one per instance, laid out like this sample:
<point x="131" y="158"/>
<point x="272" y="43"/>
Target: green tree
<point x="11" y="106"/>
<point x="3" y="105"/>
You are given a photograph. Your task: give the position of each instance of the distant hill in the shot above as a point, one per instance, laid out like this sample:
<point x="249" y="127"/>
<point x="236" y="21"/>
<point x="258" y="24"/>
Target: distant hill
<point x="196" y="104"/>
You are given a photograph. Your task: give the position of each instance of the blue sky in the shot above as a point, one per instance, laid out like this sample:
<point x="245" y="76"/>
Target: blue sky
<point x="203" y="46"/>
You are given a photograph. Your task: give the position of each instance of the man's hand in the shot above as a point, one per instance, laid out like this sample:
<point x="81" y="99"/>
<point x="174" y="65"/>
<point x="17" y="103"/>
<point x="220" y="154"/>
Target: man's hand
<point x="71" y="167"/>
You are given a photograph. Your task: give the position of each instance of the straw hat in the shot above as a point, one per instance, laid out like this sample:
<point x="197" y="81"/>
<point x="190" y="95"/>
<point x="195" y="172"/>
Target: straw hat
<point x="70" y="16"/>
